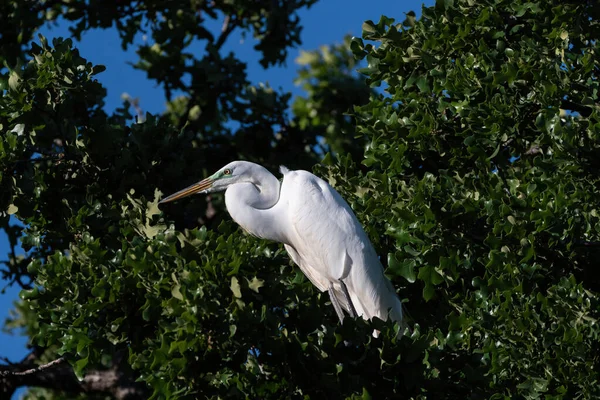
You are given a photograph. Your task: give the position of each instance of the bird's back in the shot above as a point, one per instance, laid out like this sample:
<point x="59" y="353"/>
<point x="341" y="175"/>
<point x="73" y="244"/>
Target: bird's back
<point x="330" y="244"/>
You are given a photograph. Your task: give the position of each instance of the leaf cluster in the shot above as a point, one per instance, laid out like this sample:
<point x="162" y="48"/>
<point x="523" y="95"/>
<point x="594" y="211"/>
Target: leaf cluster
<point x="483" y="176"/>
<point x="478" y="187"/>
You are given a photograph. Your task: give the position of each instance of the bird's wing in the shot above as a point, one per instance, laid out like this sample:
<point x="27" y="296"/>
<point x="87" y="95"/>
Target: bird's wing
<point x="316" y="278"/>
<point x="328" y="238"/>
<point x="323" y="224"/>
<point x="324" y="230"/>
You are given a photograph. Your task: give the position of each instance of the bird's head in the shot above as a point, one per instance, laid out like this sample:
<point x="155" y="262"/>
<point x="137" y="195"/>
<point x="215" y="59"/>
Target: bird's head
<point x="234" y="172"/>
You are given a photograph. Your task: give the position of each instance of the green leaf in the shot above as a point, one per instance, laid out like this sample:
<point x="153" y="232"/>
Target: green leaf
<point x="235" y="287"/>
<point x="422" y="84"/>
<point x="79" y="368"/>
<point x="14" y="81"/>
<point x="327" y="160"/>
<point x="406" y="268"/>
<point x="195" y="113"/>
<point x="176" y="292"/>
<point x="448" y="3"/>
<point x="255" y="284"/>
<point x="368" y="27"/>
<point x="428" y="292"/>
<point x="30" y="294"/>
<point x="96" y="69"/>
<point x="152" y="207"/>
<point x="430" y="277"/>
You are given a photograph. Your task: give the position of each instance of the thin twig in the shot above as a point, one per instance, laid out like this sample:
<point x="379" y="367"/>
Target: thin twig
<point x="34" y="370"/>
<point x="7" y="361"/>
<point x="588" y="244"/>
<point x="226" y="29"/>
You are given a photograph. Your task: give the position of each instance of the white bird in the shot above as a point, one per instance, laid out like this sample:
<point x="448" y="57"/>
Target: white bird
<point x="318" y="229"/>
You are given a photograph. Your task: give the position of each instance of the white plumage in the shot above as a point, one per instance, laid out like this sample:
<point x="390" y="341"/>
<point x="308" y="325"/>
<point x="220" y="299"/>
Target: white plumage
<point x="317" y="227"/>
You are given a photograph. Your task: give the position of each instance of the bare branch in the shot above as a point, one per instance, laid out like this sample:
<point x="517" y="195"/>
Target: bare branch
<point x="34" y="370"/>
<point x="117" y="381"/>
<point x="6" y="361"/>
<point x="228" y="26"/>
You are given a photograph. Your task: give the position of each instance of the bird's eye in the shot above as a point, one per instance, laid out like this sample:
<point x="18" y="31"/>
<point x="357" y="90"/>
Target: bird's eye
<point x="227" y="172"/>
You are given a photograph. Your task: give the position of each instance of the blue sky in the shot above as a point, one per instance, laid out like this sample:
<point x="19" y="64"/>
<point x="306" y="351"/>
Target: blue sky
<point x="325" y="23"/>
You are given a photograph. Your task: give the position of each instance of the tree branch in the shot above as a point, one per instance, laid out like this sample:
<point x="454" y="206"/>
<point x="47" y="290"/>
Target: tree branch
<point x="33" y="370"/>
<point x="116" y="381"/>
<point x="228" y="27"/>
<point x="6" y="361"/>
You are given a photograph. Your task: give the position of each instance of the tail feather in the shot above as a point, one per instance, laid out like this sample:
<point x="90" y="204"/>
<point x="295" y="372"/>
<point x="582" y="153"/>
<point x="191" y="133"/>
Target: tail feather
<point x="378" y="298"/>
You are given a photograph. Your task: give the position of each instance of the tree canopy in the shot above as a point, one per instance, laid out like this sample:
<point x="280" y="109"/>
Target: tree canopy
<point x="468" y="149"/>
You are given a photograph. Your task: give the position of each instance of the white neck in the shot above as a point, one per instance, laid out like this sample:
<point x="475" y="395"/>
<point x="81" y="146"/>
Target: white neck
<point x="252" y="205"/>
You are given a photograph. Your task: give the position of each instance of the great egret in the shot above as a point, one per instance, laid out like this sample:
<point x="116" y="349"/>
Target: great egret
<point x="318" y="229"/>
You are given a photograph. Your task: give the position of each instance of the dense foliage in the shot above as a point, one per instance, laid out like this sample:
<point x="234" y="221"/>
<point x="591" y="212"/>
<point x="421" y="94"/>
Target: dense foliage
<point x="478" y="186"/>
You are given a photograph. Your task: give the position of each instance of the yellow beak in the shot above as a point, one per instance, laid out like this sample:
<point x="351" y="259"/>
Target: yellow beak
<point x="195" y="188"/>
